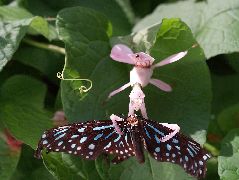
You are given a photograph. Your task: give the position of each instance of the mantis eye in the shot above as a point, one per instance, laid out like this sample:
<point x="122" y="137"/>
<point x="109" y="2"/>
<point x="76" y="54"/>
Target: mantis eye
<point x="136" y="55"/>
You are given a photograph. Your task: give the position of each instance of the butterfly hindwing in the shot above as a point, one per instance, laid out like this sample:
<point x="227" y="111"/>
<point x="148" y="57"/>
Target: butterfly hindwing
<point x="121" y="145"/>
<point x="180" y="149"/>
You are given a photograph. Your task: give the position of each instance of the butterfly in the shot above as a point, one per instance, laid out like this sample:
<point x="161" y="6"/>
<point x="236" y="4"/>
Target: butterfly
<point x="90" y="139"/>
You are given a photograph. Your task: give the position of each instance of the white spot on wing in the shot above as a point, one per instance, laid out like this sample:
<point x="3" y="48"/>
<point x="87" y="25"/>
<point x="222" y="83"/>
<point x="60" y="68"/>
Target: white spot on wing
<point x="81" y="130"/>
<point x="73" y="146"/>
<point x="83" y="139"/>
<point x="91" y="146"/>
<point x="60" y="143"/>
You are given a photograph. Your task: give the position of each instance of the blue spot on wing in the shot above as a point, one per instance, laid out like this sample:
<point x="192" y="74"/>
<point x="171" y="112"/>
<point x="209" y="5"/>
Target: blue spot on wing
<point x="157" y="139"/>
<point x="169" y="147"/>
<point x="175" y="141"/>
<point x="106" y="137"/>
<point x="156" y="130"/>
<point x="147" y="133"/>
<point x="98" y="136"/>
<point x="102" y="127"/>
<point x="190" y="152"/>
<point x="186" y="158"/>
<point x="157" y="149"/>
<point x="59" y="132"/>
<point x="192" y="148"/>
<point x="118" y="138"/>
<point x="178" y="148"/>
<point x="59" y="137"/>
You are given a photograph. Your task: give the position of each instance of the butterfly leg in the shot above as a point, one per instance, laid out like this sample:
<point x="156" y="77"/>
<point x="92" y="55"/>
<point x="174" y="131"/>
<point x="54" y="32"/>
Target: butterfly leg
<point x="115" y="118"/>
<point x="118" y="90"/>
<point x="175" y="129"/>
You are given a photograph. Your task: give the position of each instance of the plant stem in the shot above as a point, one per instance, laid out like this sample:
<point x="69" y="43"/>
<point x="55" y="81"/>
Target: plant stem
<point x="49" y="47"/>
<point x="213" y="150"/>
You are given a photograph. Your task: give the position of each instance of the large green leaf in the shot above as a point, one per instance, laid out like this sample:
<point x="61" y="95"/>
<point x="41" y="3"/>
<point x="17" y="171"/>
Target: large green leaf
<point x="214" y="23"/>
<point x="150" y="170"/>
<point x="48" y="63"/>
<point x="228" y="160"/>
<point x="9" y="13"/>
<point x="87" y="49"/>
<point x="22" y="102"/>
<point x="229" y="118"/>
<point x="63" y="166"/>
<point x="110" y="8"/>
<point x="225" y="95"/>
<point x="8" y="159"/>
<point x="29" y="167"/>
<point x="233" y="61"/>
<point x="225" y="91"/>
<point x="12" y="31"/>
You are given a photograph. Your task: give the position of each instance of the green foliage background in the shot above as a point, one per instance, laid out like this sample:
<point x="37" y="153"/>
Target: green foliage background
<point x="39" y="37"/>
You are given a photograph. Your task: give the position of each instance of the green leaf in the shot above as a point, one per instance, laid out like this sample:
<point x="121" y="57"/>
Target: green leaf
<point x="64" y="166"/>
<point x="46" y="62"/>
<point x="8" y="159"/>
<point x="214" y="23"/>
<point x="87" y="49"/>
<point x="12" y="32"/>
<point x="229" y="118"/>
<point x="225" y="95"/>
<point x="225" y="91"/>
<point x="21" y="99"/>
<point x="110" y="8"/>
<point x="127" y="8"/>
<point x="29" y="167"/>
<point x="10" y="13"/>
<point x="228" y="160"/>
<point x="150" y="170"/>
<point x="233" y="61"/>
<point x="102" y="165"/>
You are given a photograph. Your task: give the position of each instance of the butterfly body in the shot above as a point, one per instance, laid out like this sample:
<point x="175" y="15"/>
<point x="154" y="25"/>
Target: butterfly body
<point x="90" y="139"/>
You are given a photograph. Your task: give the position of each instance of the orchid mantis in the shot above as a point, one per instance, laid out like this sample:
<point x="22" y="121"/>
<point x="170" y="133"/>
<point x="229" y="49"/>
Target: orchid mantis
<point x="140" y="76"/>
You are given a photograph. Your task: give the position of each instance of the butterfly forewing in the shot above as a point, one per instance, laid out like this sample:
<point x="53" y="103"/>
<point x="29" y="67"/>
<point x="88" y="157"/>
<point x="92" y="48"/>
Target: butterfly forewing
<point x="88" y="140"/>
<point x="180" y="149"/>
<point x="84" y="139"/>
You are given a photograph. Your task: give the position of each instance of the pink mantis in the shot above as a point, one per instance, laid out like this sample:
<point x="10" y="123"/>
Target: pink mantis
<point x="140" y="76"/>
